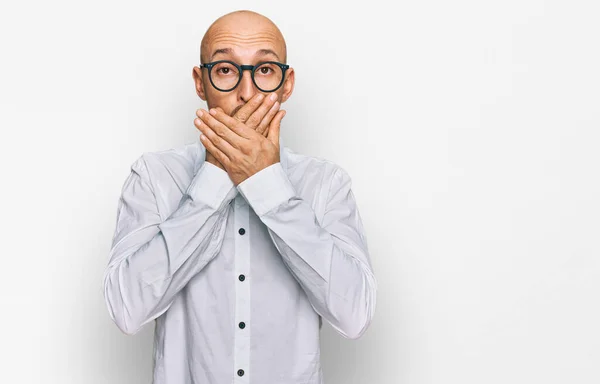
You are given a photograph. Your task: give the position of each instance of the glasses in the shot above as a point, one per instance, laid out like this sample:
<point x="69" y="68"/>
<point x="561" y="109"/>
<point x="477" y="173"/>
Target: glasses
<point x="225" y="75"/>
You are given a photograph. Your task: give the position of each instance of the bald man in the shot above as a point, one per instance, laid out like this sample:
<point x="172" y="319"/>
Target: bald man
<point x="235" y="246"/>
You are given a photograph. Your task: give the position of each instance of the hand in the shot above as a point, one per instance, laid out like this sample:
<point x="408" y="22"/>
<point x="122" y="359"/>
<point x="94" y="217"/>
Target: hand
<point x="240" y="149"/>
<point x="256" y="113"/>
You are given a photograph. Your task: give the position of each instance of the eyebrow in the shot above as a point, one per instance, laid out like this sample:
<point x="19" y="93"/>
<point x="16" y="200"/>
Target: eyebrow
<point x="229" y="51"/>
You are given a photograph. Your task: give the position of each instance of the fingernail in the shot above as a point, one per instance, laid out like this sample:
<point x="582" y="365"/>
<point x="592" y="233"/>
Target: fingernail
<point x="273" y="96"/>
<point x="260" y="96"/>
<point x="199" y="113"/>
<point x="213" y="111"/>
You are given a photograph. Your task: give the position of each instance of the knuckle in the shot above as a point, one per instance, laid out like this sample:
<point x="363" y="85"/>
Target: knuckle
<point x="251" y="122"/>
<point x="247" y="150"/>
<point x="238" y="126"/>
<point x="219" y="131"/>
<point x="241" y="116"/>
<point x="234" y="159"/>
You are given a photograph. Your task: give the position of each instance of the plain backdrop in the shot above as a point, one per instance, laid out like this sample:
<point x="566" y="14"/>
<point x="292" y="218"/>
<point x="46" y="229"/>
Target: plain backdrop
<point x="470" y="130"/>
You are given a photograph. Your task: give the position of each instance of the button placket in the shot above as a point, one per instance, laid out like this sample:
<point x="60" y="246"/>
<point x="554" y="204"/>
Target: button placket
<point x="242" y="291"/>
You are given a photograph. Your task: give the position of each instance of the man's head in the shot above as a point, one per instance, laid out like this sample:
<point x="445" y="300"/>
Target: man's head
<point x="246" y="38"/>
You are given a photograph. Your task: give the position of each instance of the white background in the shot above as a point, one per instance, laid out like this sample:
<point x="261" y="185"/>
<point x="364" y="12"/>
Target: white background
<point x="470" y="130"/>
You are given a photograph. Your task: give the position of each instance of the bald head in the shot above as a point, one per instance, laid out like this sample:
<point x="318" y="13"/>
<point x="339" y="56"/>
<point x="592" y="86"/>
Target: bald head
<point x="245" y="38"/>
<point x="243" y="32"/>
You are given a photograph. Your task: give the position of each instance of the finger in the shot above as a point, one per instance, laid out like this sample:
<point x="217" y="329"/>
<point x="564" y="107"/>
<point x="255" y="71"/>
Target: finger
<point x="214" y="151"/>
<point x="235" y="132"/>
<point x="219" y="142"/>
<point x="257" y="116"/>
<point x="274" y="127"/>
<point x="264" y="124"/>
<point x="222" y="125"/>
<point x="199" y="111"/>
<point x="244" y="113"/>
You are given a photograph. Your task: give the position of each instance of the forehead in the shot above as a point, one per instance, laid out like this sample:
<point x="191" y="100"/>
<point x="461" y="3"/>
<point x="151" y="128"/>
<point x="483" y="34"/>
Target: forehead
<point x="245" y="43"/>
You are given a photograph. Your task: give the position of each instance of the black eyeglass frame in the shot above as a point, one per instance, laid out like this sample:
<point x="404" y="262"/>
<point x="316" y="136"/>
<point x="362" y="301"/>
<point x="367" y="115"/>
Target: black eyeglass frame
<point x="241" y="68"/>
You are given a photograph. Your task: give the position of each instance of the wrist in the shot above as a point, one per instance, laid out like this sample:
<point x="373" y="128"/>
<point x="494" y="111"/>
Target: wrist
<point x="211" y="159"/>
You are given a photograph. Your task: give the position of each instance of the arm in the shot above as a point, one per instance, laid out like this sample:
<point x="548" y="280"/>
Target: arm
<point x="152" y="260"/>
<point x="329" y="260"/>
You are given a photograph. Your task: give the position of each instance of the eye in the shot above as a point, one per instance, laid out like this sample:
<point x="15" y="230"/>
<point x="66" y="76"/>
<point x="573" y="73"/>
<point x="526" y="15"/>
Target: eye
<point x="267" y="70"/>
<point x="224" y="69"/>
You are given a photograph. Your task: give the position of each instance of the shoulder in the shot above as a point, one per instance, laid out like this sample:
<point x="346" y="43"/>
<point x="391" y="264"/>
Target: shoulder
<point x="307" y="167"/>
<point x="177" y="164"/>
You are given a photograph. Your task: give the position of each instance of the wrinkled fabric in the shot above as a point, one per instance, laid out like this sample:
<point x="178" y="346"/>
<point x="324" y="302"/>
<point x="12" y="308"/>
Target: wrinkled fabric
<point x="237" y="279"/>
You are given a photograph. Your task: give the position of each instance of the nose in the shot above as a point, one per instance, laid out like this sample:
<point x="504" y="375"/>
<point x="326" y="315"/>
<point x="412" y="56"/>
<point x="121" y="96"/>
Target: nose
<point x="246" y="88"/>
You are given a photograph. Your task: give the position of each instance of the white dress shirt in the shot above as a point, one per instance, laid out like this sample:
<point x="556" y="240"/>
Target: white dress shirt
<point x="237" y="279"/>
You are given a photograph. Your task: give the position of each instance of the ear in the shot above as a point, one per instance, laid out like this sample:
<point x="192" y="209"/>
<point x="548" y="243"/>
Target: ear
<point x="198" y="82"/>
<point x="288" y="85"/>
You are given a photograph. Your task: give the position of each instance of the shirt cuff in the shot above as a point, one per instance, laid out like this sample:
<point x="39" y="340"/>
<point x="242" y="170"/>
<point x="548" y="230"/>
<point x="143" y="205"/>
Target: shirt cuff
<point x="212" y="186"/>
<point x="267" y="189"/>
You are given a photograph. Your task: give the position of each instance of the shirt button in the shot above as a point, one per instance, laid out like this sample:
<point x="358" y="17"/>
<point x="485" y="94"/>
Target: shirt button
<point x="240" y="372"/>
<point x="242" y="325"/>
<point x="242" y="277"/>
<point x="241" y="231"/>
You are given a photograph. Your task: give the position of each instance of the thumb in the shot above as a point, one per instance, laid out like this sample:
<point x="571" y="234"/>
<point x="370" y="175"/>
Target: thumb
<point x="274" y="127"/>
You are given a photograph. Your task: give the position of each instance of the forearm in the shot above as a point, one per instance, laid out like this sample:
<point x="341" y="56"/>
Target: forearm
<point x="340" y="287"/>
<point x="152" y="261"/>
<point x="329" y="259"/>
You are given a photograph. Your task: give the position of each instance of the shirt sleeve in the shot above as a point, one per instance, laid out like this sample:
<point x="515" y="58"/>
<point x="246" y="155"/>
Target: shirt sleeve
<point x="151" y="259"/>
<point x="330" y="260"/>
